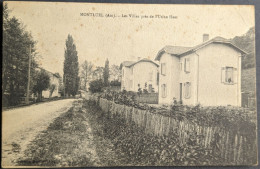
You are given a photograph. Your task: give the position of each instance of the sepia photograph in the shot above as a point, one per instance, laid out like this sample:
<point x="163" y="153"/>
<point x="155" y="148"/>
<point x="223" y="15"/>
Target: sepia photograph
<point x="117" y="84"/>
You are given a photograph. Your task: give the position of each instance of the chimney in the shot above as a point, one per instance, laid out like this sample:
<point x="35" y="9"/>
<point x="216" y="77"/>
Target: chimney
<point x="205" y="37"/>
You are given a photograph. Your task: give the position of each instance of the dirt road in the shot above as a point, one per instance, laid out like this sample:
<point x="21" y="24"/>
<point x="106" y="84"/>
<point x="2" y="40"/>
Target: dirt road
<point x="21" y="125"/>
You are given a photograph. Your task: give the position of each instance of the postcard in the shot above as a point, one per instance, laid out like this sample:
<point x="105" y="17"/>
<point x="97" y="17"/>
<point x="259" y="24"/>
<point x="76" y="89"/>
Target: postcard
<point x="110" y="84"/>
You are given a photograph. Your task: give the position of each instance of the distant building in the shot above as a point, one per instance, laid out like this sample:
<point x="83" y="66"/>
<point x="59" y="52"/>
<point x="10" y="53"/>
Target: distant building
<point x="137" y="74"/>
<point x="209" y="73"/>
<point x="53" y="90"/>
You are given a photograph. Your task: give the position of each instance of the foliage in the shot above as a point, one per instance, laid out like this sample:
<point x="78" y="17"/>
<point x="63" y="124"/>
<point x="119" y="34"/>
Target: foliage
<point x="106" y="74"/>
<point x="139" y="89"/>
<point x="16" y="47"/>
<point x="115" y="73"/>
<point x="42" y="82"/>
<point x="86" y="72"/>
<point x="145" y="88"/>
<point x="98" y="73"/>
<point x="96" y="86"/>
<point x="71" y="68"/>
<point x="232" y="118"/>
<point x="135" y="147"/>
<point x="115" y="83"/>
<point x="52" y="88"/>
<point x="247" y="43"/>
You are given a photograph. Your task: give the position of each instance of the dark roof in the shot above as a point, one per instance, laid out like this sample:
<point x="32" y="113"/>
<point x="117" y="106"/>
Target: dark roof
<point x="144" y="60"/>
<point x="49" y="72"/>
<point x="181" y="51"/>
<point x="126" y="63"/>
<point x="176" y="50"/>
<point x="131" y="63"/>
<point x="173" y="50"/>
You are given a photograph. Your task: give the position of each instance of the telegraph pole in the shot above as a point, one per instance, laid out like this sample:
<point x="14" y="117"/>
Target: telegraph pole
<point x="29" y="76"/>
<point x="64" y="85"/>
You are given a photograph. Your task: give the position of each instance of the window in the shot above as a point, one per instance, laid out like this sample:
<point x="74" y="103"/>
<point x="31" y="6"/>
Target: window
<point x="187" y="65"/>
<point x="163" y="68"/>
<point x="123" y="73"/>
<point x="164" y="90"/>
<point x="229" y="75"/>
<point x="180" y="65"/>
<point x="151" y="76"/>
<point x="187" y="91"/>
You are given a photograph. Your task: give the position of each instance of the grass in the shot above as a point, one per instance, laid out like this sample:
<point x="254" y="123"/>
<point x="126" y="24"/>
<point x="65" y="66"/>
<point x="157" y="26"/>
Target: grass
<point x="62" y="144"/>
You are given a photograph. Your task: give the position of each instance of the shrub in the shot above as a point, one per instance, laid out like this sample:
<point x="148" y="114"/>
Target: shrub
<point x="96" y="86"/>
<point x="115" y="83"/>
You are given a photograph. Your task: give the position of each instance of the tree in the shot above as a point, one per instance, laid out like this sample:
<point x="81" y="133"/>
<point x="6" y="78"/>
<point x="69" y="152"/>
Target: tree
<point x="71" y="68"/>
<point x="42" y="82"/>
<point x="115" y="73"/>
<point x="16" y="50"/>
<point x="106" y="73"/>
<point x="87" y="71"/>
<point x="247" y="43"/>
<point x="98" y="73"/>
<point x="96" y="86"/>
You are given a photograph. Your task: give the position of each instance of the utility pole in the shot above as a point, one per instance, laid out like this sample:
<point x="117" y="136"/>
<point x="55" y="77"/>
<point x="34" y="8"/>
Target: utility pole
<point x="64" y="85"/>
<point x="29" y="76"/>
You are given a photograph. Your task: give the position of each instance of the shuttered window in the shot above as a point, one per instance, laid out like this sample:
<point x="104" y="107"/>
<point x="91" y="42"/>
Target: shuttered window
<point x="187" y="92"/>
<point x="228" y="75"/>
<point x="187" y="65"/>
<point x="164" y="90"/>
<point x="163" y="68"/>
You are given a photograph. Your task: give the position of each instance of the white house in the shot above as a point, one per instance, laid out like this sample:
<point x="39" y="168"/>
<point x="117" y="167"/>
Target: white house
<point x="208" y="74"/>
<point x="137" y="74"/>
<point x="53" y="90"/>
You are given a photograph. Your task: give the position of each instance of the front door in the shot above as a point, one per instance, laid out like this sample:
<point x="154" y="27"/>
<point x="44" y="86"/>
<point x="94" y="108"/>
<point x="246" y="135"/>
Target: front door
<point x="180" y="91"/>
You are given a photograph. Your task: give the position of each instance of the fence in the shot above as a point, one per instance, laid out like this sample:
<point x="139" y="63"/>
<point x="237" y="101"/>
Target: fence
<point x="149" y="98"/>
<point x="248" y="100"/>
<point x="233" y="147"/>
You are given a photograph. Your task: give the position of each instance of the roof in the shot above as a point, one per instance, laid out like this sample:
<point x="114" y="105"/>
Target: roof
<point x="126" y="63"/>
<point x="131" y="63"/>
<point x="181" y="51"/>
<point x="48" y="72"/>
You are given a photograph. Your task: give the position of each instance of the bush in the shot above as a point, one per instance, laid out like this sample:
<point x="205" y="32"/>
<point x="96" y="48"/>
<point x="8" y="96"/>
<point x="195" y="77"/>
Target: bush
<point x="115" y="83"/>
<point x="96" y="86"/>
<point x="135" y="147"/>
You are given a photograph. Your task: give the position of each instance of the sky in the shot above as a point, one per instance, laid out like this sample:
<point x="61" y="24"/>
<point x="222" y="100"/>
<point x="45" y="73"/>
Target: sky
<point x="124" y="38"/>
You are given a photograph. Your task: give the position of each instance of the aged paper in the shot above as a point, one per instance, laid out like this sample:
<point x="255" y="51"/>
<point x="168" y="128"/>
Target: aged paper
<point x="91" y="84"/>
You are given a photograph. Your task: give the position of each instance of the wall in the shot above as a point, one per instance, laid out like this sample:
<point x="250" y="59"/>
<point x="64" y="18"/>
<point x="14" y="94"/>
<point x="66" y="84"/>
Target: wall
<point x="190" y="77"/>
<point x="148" y="98"/>
<point x="126" y="77"/>
<point x="211" y="90"/>
<point x="141" y="73"/>
<point x="53" y="80"/>
<point x="171" y="79"/>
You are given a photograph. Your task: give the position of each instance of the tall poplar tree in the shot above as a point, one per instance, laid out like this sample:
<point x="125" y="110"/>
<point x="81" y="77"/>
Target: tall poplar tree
<point x="106" y="73"/>
<point x="71" y="68"/>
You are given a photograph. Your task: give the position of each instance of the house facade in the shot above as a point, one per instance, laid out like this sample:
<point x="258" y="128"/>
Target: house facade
<point x="208" y="74"/>
<point x="53" y="90"/>
<point x="140" y="74"/>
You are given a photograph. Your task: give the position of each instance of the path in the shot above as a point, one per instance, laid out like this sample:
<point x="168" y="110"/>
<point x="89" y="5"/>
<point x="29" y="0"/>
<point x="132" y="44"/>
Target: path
<point x="21" y="125"/>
